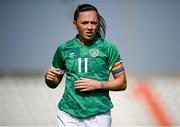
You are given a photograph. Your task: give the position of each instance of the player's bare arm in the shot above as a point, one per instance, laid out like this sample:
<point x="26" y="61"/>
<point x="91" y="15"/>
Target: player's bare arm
<point x="53" y="77"/>
<point x="119" y="83"/>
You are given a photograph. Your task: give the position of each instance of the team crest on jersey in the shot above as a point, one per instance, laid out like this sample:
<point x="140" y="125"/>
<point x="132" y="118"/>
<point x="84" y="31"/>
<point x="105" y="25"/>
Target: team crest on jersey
<point x="94" y="52"/>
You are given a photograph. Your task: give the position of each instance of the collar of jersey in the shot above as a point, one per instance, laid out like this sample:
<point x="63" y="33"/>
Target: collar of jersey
<point x="89" y="45"/>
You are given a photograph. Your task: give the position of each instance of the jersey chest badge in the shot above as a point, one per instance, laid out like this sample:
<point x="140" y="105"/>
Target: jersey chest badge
<point x="94" y="52"/>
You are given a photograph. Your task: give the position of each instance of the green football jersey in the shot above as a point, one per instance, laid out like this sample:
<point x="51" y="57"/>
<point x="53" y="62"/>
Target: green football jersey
<point x="92" y="61"/>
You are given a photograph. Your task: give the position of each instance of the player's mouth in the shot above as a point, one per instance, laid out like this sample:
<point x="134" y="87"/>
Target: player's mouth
<point x="89" y="34"/>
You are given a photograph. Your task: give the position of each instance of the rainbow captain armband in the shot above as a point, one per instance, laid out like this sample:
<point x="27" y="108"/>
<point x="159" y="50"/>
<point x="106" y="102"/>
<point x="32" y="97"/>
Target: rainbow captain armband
<point x="117" y="67"/>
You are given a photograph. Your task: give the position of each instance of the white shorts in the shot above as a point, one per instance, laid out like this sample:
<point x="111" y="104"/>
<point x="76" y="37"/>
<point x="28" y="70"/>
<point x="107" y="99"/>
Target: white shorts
<point x="101" y="120"/>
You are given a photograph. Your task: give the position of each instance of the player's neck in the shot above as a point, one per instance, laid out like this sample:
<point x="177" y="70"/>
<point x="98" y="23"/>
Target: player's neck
<point x="85" y="41"/>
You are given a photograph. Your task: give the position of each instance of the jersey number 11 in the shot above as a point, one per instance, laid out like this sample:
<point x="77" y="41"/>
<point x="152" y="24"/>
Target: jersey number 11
<point x="85" y="65"/>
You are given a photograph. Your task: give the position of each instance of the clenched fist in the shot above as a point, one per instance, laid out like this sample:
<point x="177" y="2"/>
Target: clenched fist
<point x="53" y="77"/>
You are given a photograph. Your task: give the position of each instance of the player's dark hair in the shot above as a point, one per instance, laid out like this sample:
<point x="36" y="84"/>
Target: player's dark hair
<point x="87" y="7"/>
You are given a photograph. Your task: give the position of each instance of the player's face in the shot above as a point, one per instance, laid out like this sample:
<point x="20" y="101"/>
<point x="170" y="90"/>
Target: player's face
<point x="86" y="24"/>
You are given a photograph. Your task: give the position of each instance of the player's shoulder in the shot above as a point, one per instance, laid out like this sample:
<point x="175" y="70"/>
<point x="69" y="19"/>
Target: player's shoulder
<point x="106" y="43"/>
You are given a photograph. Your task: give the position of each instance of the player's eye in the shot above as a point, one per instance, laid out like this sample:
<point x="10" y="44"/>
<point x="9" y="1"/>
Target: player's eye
<point x="85" y="22"/>
<point x="94" y="23"/>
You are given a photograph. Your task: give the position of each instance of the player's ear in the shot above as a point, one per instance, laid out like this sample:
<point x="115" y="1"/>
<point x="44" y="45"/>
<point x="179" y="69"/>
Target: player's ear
<point x="75" y="24"/>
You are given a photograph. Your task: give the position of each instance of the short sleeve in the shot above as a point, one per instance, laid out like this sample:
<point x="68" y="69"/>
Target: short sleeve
<point x="58" y="61"/>
<point x="113" y="55"/>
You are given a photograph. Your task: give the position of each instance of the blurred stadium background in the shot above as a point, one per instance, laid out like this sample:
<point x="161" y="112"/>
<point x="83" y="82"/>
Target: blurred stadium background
<point x="147" y="33"/>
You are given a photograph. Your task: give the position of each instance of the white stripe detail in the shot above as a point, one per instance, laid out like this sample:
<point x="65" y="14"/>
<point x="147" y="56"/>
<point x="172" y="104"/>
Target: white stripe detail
<point x="79" y="65"/>
<point x="61" y="72"/>
<point x="110" y="68"/>
<point x="86" y="65"/>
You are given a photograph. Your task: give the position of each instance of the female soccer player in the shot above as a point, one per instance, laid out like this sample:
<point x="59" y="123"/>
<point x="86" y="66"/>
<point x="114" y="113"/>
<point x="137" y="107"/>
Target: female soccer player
<point x="87" y="59"/>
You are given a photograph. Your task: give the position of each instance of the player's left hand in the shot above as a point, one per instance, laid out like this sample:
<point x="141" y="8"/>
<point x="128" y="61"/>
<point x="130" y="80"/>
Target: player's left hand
<point x="85" y="84"/>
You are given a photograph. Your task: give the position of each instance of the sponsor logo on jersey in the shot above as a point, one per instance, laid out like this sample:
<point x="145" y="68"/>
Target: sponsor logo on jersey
<point x="94" y="52"/>
<point x="71" y="54"/>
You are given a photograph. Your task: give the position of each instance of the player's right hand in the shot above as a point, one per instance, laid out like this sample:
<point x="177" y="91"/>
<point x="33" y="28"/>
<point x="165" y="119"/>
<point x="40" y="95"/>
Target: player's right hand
<point x="53" y="77"/>
<point x="52" y="74"/>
